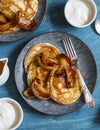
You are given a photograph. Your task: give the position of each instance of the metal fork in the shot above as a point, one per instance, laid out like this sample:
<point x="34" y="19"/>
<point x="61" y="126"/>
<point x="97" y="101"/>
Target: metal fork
<point x="70" y="51"/>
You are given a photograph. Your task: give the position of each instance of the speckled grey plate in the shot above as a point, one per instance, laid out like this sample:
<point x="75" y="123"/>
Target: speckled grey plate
<point x="22" y="33"/>
<point x="86" y="65"/>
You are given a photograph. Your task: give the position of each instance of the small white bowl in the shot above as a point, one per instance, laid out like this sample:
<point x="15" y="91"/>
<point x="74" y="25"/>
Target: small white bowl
<point x="11" y="114"/>
<point x="80" y="13"/>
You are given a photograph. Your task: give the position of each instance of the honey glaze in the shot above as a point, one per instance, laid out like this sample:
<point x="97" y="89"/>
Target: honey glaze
<point x="1" y="67"/>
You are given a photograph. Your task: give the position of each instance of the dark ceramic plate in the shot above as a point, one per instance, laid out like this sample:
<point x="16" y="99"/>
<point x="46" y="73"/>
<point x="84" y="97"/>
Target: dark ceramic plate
<point x="22" y="33"/>
<point x="86" y="65"/>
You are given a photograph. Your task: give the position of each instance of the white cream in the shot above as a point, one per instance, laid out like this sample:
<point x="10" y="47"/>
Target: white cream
<point x="78" y="12"/>
<point x="7" y="115"/>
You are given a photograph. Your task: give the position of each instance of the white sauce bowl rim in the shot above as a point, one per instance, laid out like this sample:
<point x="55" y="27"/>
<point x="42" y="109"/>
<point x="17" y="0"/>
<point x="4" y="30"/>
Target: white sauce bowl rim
<point x="90" y="22"/>
<point x="15" y="103"/>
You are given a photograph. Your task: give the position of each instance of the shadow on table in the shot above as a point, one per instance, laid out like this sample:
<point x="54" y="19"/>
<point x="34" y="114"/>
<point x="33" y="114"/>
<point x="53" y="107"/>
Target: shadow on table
<point x="11" y="86"/>
<point x="57" y="17"/>
<point x="97" y="119"/>
<point x="93" y="27"/>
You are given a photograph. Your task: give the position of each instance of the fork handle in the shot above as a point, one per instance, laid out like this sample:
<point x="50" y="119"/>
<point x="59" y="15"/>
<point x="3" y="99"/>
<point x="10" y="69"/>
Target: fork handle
<point x="89" y="100"/>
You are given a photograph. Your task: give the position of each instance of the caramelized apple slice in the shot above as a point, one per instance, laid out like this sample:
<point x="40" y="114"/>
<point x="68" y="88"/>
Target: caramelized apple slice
<point x="45" y="48"/>
<point x="2" y="19"/>
<point x="45" y="62"/>
<point x="28" y="93"/>
<point x="64" y="60"/>
<point x="5" y="26"/>
<point x="31" y="73"/>
<point x="66" y="66"/>
<point x="39" y="91"/>
<point x="25" y="23"/>
<point x="71" y="75"/>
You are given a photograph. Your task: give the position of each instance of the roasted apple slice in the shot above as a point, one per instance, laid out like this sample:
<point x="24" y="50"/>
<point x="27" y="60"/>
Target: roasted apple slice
<point x="28" y="93"/>
<point x="31" y="73"/>
<point x="39" y="91"/>
<point x="37" y="79"/>
<point x="2" y="19"/>
<point x="5" y="26"/>
<point x="72" y="76"/>
<point x="47" y="49"/>
<point x="8" y="27"/>
<point x="25" y="23"/>
<point x="64" y="60"/>
<point x="45" y="62"/>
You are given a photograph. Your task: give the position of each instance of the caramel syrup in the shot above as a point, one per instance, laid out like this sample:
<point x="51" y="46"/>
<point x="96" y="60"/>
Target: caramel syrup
<point x="1" y="67"/>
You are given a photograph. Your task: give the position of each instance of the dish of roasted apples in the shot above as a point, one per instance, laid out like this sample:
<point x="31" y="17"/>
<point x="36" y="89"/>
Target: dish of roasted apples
<point x="20" y="15"/>
<point x="46" y="78"/>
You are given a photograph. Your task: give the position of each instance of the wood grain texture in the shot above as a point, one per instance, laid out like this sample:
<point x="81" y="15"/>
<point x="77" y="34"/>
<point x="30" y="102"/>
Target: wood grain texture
<point x="82" y="119"/>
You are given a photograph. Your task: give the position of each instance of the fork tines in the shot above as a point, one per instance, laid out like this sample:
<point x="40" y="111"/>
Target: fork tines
<point x="69" y="48"/>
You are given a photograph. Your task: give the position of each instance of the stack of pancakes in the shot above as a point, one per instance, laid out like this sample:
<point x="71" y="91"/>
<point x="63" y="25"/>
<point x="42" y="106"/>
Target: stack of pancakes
<point x="50" y="74"/>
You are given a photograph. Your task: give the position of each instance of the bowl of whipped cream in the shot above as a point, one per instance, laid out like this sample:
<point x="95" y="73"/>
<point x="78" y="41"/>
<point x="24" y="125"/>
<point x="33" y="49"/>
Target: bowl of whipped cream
<point x="11" y="114"/>
<point x="80" y="13"/>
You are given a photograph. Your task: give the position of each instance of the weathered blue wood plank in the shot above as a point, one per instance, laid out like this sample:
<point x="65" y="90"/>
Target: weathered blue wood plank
<point x="84" y="118"/>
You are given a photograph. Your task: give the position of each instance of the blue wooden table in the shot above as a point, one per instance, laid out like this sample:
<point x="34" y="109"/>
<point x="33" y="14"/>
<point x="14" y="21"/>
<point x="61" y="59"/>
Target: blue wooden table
<point x="82" y="119"/>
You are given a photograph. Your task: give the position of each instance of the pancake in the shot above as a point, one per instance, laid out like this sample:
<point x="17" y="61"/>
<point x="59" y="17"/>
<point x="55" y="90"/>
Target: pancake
<point x="64" y="82"/>
<point x="36" y="72"/>
<point x="61" y="91"/>
<point x="37" y="83"/>
<point x="37" y="80"/>
<point x="31" y="74"/>
<point x="47" y="49"/>
<point x="50" y="74"/>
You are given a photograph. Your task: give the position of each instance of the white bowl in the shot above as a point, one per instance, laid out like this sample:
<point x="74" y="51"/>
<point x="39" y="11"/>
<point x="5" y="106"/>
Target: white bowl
<point x="11" y="114"/>
<point x="80" y="13"/>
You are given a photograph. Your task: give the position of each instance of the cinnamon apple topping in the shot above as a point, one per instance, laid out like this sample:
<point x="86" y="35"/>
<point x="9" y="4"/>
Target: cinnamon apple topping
<point x="15" y="15"/>
<point x="51" y="75"/>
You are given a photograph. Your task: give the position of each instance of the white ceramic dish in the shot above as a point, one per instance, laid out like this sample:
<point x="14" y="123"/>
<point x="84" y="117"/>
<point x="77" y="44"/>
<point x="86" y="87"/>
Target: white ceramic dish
<point x="4" y="75"/>
<point x="80" y="13"/>
<point x="11" y="114"/>
<point x="97" y="25"/>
